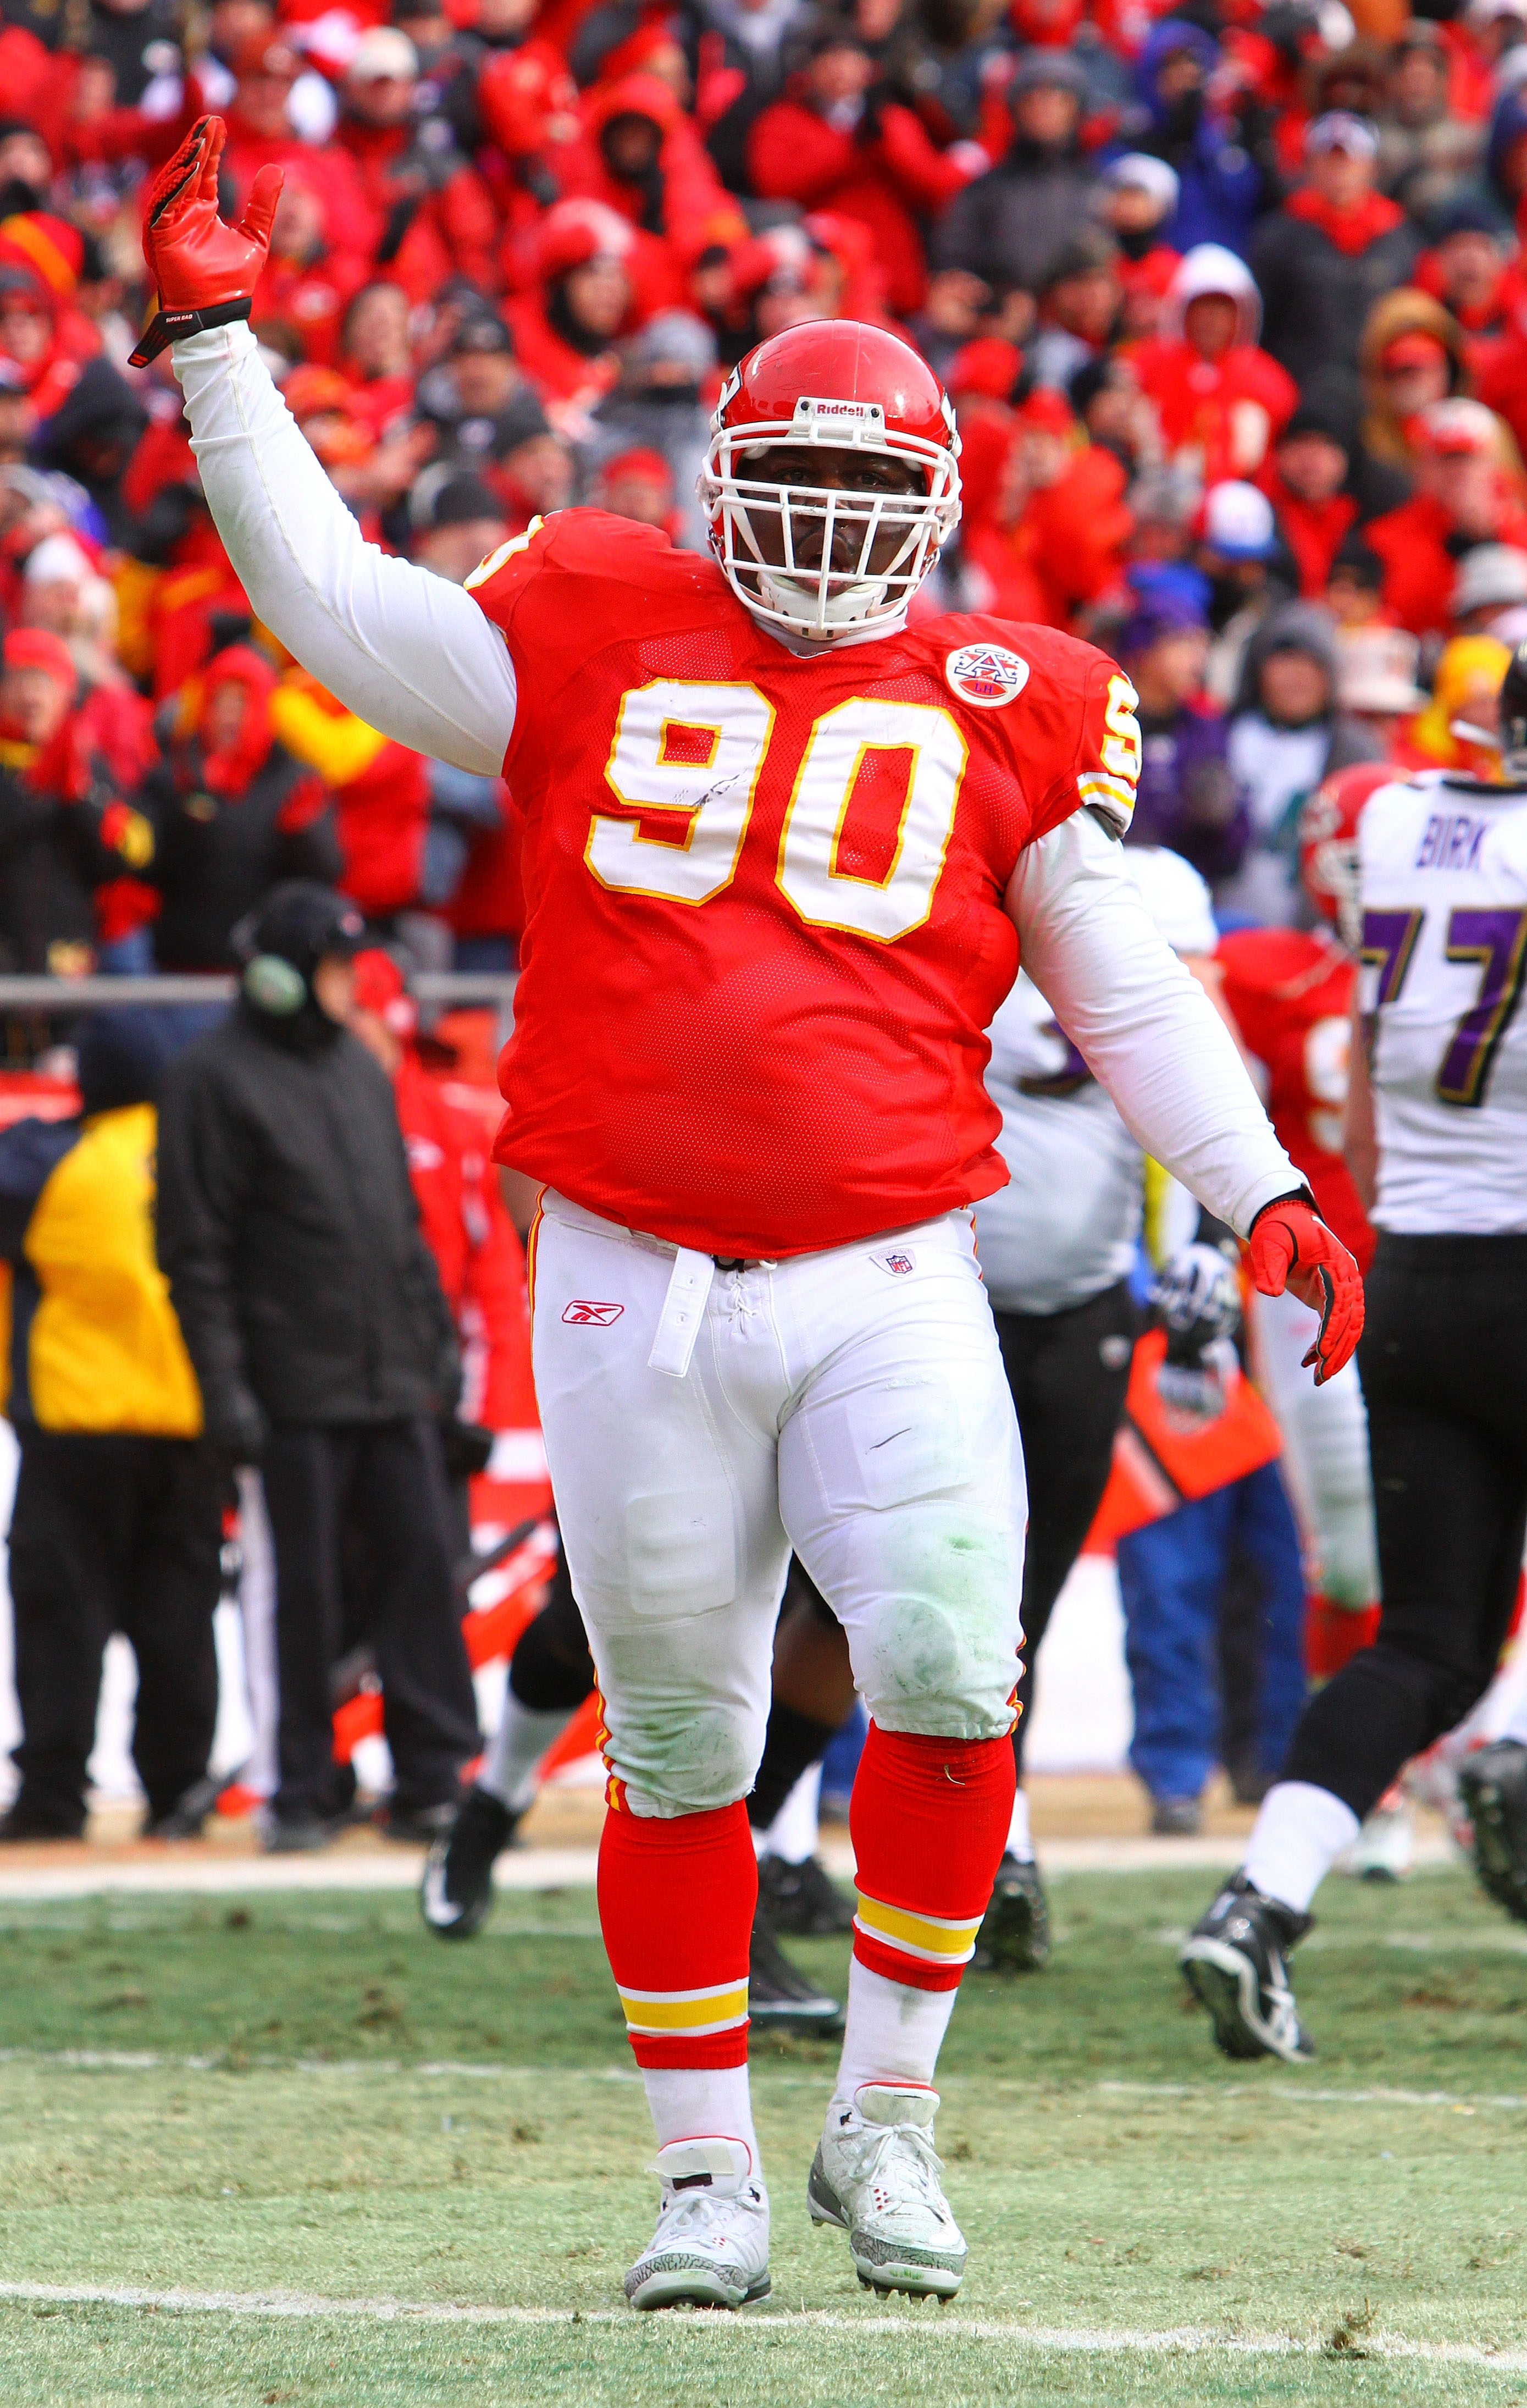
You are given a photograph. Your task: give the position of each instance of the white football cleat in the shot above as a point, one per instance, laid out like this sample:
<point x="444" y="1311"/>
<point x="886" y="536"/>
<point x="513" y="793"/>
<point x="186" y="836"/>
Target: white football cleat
<point x="1385" y="1848"/>
<point x="875" y="2174"/>
<point x="712" y="2246"/>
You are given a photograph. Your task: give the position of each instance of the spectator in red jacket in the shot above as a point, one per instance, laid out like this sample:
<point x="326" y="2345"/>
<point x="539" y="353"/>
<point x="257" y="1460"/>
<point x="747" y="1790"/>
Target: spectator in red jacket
<point x="260" y="134"/>
<point x="565" y="333"/>
<point x="1220" y="400"/>
<point x="435" y="209"/>
<point x="1046" y="533"/>
<point x="1305" y="478"/>
<point x="479" y="1258"/>
<point x="837" y="141"/>
<point x="1139" y="194"/>
<point x="307" y="284"/>
<point x="643" y="157"/>
<point x="1468" y="491"/>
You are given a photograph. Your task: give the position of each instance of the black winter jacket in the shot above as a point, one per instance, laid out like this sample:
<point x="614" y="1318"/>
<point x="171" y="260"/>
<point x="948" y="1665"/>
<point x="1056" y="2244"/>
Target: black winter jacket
<point x="1315" y="298"/>
<point x="217" y="855"/>
<point x="289" y="1232"/>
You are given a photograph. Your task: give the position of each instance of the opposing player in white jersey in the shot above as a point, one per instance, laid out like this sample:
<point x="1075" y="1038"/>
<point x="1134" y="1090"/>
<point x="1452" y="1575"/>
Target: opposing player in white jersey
<point x="1438" y="1139"/>
<point x="1057" y="1245"/>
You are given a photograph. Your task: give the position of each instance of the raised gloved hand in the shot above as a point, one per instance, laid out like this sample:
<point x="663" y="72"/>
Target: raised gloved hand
<point x="1292" y="1248"/>
<point x="205" y="272"/>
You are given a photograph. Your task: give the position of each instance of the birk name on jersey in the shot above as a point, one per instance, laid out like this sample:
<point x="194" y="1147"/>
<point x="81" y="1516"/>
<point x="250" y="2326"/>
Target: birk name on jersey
<point x="1444" y="959"/>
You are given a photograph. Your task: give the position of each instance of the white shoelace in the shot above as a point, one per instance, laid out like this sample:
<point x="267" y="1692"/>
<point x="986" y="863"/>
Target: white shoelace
<point x="905" y="2158"/>
<point x="693" y="2215"/>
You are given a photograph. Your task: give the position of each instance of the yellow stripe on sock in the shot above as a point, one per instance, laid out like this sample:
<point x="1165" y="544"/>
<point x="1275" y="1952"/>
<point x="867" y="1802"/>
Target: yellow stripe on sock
<point x="929" y="1936"/>
<point x="693" y="2012"/>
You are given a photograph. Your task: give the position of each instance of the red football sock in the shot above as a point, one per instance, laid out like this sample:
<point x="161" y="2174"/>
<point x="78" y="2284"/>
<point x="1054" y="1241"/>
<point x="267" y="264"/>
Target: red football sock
<point x="675" y="1907"/>
<point x="929" y="1821"/>
<point x="1334" y="1635"/>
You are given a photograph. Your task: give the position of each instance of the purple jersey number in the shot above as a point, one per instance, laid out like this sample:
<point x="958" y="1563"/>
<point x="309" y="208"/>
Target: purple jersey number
<point x="1498" y="942"/>
<point x="1389" y="941"/>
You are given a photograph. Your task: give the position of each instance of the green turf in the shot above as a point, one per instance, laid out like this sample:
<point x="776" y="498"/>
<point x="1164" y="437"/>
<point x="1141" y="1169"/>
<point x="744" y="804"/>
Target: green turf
<point x="336" y="2105"/>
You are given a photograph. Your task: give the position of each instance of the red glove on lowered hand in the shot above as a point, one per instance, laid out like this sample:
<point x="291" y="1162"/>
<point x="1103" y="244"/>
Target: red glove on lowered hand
<point x="205" y="272"/>
<point x="1292" y="1248"/>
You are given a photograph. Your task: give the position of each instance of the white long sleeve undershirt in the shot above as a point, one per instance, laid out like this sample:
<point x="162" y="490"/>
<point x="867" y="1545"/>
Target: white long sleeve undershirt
<point x="1143" y="1025"/>
<point x="415" y="657"/>
<point x="408" y="651"/>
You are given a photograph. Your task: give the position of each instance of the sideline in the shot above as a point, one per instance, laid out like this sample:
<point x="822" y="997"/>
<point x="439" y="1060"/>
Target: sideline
<point x="1100" y="2342"/>
<point x="212" y="1874"/>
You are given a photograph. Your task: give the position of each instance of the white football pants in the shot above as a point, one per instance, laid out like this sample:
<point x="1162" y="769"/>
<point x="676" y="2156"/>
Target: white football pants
<point x="850" y="1404"/>
<point x="1325" y="1434"/>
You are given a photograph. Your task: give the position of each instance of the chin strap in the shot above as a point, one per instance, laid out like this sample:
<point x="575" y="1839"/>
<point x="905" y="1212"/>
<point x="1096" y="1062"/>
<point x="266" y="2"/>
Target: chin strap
<point x="172" y="326"/>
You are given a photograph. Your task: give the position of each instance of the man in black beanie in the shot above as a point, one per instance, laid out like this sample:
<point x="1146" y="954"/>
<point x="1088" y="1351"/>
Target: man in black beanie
<point x="325" y="1352"/>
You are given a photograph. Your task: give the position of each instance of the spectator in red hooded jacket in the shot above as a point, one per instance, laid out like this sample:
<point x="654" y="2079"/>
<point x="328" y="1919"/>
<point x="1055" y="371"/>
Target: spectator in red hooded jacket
<point x="233" y="816"/>
<point x="566" y="333"/>
<point x="1219" y="400"/>
<point x="643" y="157"/>
<point x="1468" y="491"/>
<point x="479" y="1258"/>
<point x="837" y="141"/>
<point x="65" y="828"/>
<point x="33" y="359"/>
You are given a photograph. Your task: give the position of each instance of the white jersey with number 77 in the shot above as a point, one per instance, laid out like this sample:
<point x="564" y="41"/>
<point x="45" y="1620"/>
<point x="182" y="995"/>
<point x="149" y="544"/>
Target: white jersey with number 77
<point x="1444" y="884"/>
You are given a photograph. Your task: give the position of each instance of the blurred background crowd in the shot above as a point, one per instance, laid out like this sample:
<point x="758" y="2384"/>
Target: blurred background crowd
<point x="1229" y="298"/>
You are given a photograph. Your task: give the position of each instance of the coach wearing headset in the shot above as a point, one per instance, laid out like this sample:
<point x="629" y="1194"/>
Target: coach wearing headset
<point x="325" y="1349"/>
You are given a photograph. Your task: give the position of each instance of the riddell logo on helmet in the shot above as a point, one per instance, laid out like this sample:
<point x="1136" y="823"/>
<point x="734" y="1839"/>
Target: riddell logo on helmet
<point x="858" y="416"/>
<point x="986" y="674"/>
<point x="585" y="1314"/>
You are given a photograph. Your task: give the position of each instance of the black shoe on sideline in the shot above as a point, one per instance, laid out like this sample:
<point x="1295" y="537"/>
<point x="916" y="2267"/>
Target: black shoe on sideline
<point x="1233" y="1961"/>
<point x="457" y="1889"/>
<point x="418" y="1826"/>
<point x="301" y="1835"/>
<point x="1493" y="1786"/>
<point x="22" y="1824"/>
<point x="1014" y="1937"/>
<point x="801" y="1898"/>
<point x="1175" y="1818"/>
<point x="779" y="1996"/>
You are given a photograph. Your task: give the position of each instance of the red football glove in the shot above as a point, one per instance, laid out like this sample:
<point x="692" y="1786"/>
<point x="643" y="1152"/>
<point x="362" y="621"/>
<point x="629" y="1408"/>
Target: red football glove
<point x="205" y="272"/>
<point x="1292" y="1248"/>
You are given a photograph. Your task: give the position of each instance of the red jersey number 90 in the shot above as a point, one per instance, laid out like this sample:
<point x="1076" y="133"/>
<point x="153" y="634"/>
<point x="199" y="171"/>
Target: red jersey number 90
<point x="687" y="746"/>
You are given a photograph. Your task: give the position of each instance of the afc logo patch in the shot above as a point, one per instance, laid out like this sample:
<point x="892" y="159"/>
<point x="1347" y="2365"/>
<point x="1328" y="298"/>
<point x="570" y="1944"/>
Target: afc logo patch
<point x="897" y="1262"/>
<point x="987" y="675"/>
<point x="586" y="1314"/>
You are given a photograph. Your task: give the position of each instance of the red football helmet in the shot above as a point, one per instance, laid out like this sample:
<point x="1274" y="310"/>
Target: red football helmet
<point x="831" y="385"/>
<point x="1328" y="857"/>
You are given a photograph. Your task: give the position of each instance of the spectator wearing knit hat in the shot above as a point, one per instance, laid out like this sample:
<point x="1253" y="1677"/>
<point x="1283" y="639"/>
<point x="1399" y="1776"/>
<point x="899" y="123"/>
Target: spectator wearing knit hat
<point x="1008" y="225"/>
<point x="1288" y="732"/>
<point x="1328" y="254"/>
<point x="1136" y="199"/>
<point x="1308" y="478"/>
<point x="1187" y="797"/>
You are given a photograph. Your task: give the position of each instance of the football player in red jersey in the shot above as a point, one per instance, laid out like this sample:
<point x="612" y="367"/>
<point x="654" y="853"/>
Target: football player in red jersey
<point x="1289" y="994"/>
<point x="780" y="850"/>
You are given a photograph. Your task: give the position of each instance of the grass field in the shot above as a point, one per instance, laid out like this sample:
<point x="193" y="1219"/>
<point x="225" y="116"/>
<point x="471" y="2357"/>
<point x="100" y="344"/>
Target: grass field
<point x="297" y="2111"/>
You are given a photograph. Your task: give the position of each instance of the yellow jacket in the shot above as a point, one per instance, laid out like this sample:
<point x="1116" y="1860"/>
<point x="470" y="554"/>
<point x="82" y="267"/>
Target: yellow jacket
<point x="94" y="1341"/>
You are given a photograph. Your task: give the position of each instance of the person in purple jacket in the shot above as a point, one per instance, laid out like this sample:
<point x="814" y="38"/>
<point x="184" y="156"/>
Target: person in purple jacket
<point x="1188" y="798"/>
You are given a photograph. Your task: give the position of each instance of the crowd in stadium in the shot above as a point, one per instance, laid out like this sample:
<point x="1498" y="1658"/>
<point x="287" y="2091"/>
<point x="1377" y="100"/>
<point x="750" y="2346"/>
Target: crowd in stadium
<point x="1228" y="303"/>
